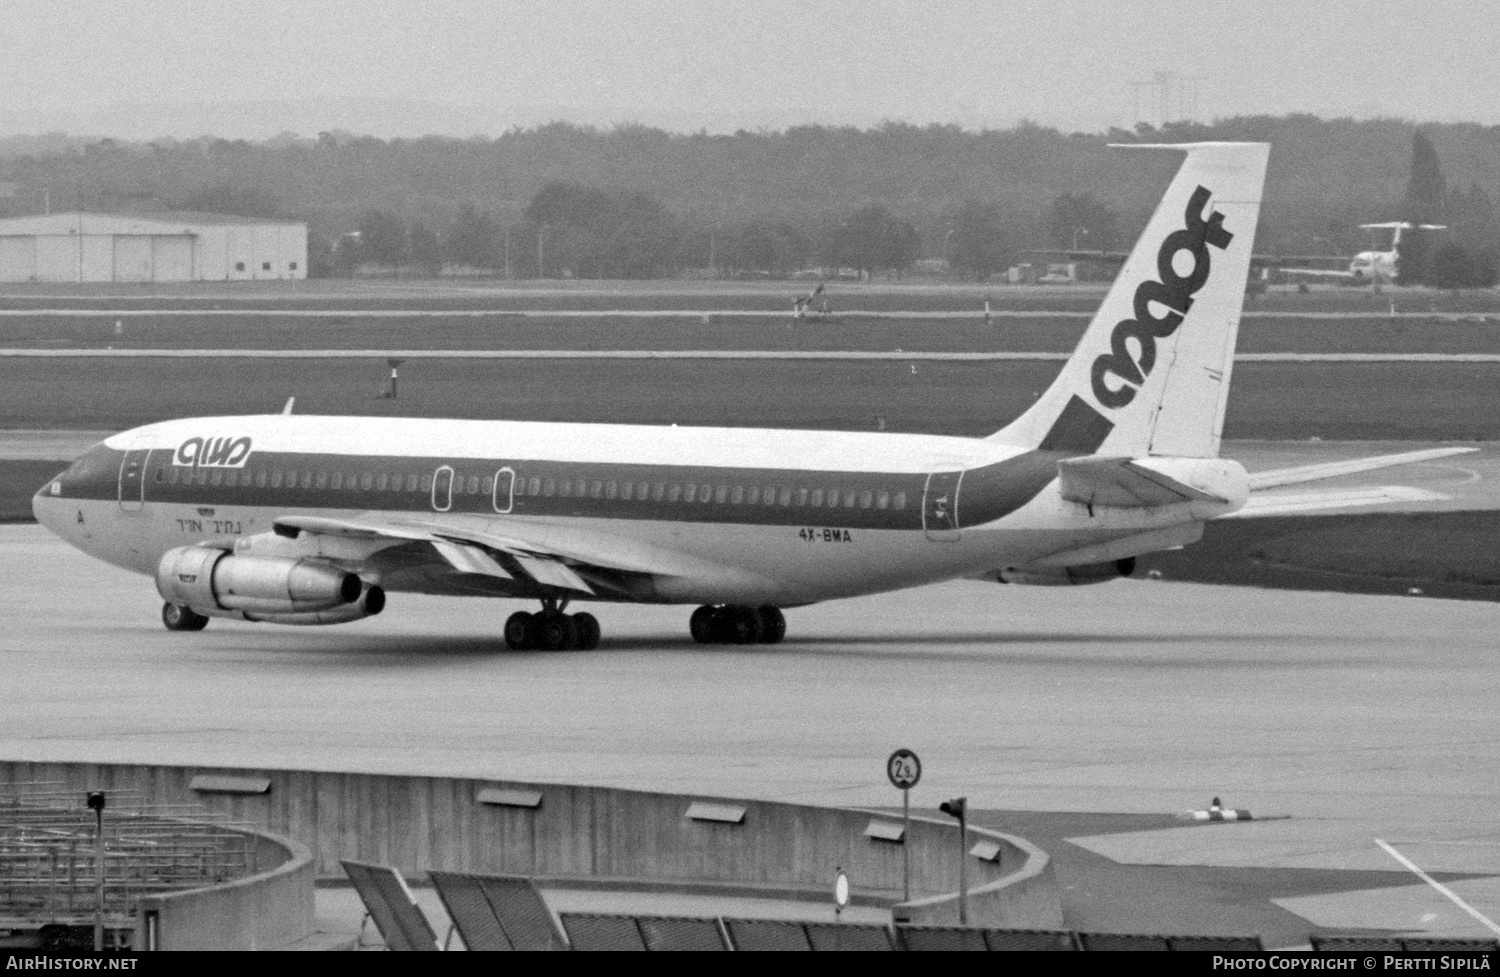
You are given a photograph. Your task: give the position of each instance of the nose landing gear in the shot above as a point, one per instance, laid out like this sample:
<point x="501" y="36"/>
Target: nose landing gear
<point x="551" y="629"/>
<point x="731" y="624"/>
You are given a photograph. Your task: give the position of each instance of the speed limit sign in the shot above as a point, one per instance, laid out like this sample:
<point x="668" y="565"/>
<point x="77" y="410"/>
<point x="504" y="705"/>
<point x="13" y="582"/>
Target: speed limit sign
<point x="904" y="769"/>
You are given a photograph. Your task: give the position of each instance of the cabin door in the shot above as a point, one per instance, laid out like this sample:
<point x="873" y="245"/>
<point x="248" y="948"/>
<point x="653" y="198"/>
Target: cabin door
<point x="133" y="480"/>
<point x="940" y="506"/>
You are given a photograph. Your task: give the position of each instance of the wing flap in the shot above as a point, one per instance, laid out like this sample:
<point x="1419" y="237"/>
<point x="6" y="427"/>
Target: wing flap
<point x="1125" y="483"/>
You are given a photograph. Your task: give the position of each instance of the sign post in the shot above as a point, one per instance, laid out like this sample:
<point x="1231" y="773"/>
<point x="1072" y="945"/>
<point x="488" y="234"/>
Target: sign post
<point x="904" y="770"/>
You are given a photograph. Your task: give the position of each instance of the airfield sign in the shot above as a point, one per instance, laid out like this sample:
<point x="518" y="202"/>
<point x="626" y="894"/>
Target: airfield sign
<point x="904" y="769"/>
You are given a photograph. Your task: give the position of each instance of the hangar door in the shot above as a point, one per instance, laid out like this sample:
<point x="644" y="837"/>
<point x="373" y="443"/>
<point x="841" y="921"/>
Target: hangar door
<point x="132" y="258"/>
<point x="17" y="258"/>
<point x="172" y="258"/>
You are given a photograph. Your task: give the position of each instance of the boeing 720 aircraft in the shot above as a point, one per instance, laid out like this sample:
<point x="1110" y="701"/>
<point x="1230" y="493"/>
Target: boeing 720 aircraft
<point x="312" y="520"/>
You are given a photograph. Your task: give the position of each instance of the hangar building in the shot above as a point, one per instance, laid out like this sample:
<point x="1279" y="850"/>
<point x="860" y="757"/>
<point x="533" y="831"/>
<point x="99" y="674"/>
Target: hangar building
<point x="171" y="246"/>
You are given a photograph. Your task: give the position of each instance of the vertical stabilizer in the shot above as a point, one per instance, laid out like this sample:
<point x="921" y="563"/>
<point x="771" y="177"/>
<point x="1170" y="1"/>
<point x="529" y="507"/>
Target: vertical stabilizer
<point x="1151" y="373"/>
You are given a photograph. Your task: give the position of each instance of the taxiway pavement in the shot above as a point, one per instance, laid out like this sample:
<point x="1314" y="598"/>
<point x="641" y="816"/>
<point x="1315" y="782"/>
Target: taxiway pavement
<point x="1354" y="717"/>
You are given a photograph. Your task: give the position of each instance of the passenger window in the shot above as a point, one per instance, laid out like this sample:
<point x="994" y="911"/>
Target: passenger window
<point x="675" y="492"/>
<point x="738" y="495"/>
<point x="217" y="477"/>
<point x="612" y="490"/>
<point x="382" y="481"/>
<point x="367" y="480"/>
<point x="802" y="496"/>
<point x="901" y="500"/>
<point x="426" y="482"/>
<point x="473" y="484"/>
<point x="785" y="496"/>
<point x="534" y="487"/>
<point x="203" y="476"/>
<point x="768" y="495"/>
<point x="351" y="481"/>
<point x="260" y="478"/>
<point x="658" y="492"/>
<point x="866" y="498"/>
<point x="721" y="494"/>
<point x="275" y="478"/>
<point x="691" y="494"/>
<point x="626" y="490"/>
<point x="597" y="489"/>
<point x="581" y="487"/>
<point x="161" y="474"/>
<point x="322" y="480"/>
<point x="488" y="487"/>
<point x="705" y="493"/>
<point x="849" y="496"/>
<point x="817" y="498"/>
<point x="565" y="487"/>
<point x="640" y="490"/>
<point x="753" y="496"/>
<point x="550" y="488"/>
<point x="413" y="483"/>
<point x="173" y="477"/>
<point x="833" y="498"/>
<point x="338" y="480"/>
<point x="882" y="499"/>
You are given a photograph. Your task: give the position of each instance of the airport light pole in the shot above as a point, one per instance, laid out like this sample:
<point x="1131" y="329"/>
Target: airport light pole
<point x="959" y="808"/>
<point x="541" y="237"/>
<point x="1077" y="231"/>
<point x="96" y="804"/>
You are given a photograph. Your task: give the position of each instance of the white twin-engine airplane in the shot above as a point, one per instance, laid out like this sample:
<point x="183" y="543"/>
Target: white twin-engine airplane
<point x="312" y="520"/>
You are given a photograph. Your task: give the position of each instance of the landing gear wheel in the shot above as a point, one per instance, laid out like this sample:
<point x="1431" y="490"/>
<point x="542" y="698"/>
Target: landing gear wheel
<point x="518" y="630"/>
<point x="587" y="628"/>
<point x="180" y="617"/>
<point x="701" y="624"/>
<point x="772" y="625"/>
<point x="556" y="631"/>
<point x="740" y="625"/>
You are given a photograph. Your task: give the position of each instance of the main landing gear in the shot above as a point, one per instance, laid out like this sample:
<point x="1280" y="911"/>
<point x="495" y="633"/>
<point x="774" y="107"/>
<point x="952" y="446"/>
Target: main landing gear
<point x="180" y="617"/>
<point x="552" y="630"/>
<point x="730" y="624"/>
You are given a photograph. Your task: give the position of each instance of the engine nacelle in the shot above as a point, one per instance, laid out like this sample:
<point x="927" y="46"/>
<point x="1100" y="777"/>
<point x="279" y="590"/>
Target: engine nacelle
<point x="370" y="603"/>
<point x="1066" y="576"/>
<point x="209" y="580"/>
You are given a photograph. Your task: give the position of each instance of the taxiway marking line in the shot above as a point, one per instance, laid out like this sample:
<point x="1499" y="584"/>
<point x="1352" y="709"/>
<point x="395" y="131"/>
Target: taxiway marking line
<point x="697" y="354"/>
<point x="1453" y="896"/>
<point x="710" y="315"/>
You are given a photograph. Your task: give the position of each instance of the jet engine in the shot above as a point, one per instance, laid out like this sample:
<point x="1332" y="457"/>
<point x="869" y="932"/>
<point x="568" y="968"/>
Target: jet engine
<point x="1066" y="576"/>
<point x="369" y="603"/>
<point x="213" y="581"/>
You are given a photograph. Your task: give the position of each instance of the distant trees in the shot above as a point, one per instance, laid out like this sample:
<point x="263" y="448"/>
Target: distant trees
<point x="474" y="239"/>
<point x="978" y="243"/>
<point x="1084" y="222"/>
<point x="593" y="233"/>
<point x="872" y="240"/>
<point x="773" y="247"/>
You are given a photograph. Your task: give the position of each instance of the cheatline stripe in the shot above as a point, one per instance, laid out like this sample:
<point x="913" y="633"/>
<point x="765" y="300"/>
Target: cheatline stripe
<point x="692" y="354"/>
<point x="719" y="315"/>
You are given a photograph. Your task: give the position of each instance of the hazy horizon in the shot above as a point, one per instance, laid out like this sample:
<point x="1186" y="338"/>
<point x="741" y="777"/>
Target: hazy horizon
<point x="134" y="69"/>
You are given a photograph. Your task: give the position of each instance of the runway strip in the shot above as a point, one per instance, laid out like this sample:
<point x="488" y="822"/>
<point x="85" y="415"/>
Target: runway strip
<point x="693" y="354"/>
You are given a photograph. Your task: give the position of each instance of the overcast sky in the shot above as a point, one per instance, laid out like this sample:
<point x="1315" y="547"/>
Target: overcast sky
<point x="251" y="68"/>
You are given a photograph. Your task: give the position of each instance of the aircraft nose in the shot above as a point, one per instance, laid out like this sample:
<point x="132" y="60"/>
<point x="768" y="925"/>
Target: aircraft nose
<point x="47" y="507"/>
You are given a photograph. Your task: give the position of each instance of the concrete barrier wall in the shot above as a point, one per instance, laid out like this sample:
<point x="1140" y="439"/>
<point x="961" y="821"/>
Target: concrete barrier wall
<point x="265" y="911"/>
<point x="422" y="823"/>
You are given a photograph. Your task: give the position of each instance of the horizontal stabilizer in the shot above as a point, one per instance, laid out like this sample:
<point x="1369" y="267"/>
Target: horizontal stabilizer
<point x="1298" y="503"/>
<point x="1137" y="482"/>
<point x="1333" y="469"/>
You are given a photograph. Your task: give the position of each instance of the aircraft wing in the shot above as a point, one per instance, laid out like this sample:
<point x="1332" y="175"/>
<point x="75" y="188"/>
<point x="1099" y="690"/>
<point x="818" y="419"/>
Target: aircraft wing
<point x="424" y="555"/>
<point x="1264" y="502"/>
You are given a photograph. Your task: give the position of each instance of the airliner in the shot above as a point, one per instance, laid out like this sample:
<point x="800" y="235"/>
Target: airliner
<point x="308" y="520"/>
<point x="1371" y="267"/>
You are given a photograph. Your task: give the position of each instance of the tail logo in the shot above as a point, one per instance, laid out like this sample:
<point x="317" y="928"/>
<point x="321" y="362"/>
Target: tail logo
<point x="1172" y="291"/>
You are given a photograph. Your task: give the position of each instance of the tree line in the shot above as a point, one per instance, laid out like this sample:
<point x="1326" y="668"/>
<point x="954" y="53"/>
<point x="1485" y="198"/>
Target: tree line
<point x="633" y="201"/>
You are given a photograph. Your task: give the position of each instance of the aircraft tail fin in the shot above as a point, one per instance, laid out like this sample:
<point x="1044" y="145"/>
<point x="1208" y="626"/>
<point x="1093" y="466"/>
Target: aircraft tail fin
<point x="1151" y="373"/>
